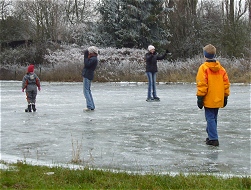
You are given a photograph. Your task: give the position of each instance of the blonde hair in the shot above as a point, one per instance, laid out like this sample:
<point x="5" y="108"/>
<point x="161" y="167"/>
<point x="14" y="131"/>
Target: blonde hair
<point x="210" y="49"/>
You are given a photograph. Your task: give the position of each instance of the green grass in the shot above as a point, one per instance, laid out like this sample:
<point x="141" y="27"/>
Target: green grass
<point x="24" y="176"/>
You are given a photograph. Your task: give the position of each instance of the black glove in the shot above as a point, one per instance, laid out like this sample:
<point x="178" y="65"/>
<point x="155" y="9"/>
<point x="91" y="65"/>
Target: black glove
<point x="200" y="102"/>
<point x="225" y="101"/>
<point x="86" y="53"/>
<point x="167" y="51"/>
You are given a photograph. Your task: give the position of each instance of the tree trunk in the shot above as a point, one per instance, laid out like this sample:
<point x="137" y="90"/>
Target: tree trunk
<point x="231" y="13"/>
<point x="249" y="11"/>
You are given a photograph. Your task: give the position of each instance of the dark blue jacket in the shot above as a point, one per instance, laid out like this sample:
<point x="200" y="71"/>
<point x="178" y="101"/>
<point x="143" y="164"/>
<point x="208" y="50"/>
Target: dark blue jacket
<point x="151" y="61"/>
<point x="90" y="66"/>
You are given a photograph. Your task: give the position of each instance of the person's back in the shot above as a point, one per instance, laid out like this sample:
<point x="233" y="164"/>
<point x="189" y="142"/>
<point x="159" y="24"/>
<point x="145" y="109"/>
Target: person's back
<point x="212" y="91"/>
<point x="30" y="83"/>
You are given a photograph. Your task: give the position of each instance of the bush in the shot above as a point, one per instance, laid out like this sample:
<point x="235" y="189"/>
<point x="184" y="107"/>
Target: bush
<point x="123" y="64"/>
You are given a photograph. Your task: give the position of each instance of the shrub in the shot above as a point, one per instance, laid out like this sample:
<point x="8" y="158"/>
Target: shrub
<point x="123" y="64"/>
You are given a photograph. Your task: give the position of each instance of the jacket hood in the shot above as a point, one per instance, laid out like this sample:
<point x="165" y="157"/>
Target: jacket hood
<point x="213" y="66"/>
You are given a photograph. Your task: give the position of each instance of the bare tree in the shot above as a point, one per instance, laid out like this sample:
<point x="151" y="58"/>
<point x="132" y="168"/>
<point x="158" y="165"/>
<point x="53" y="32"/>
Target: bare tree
<point x="43" y="17"/>
<point x="249" y="11"/>
<point x="5" y="9"/>
<point x="181" y="22"/>
<point x="235" y="13"/>
<point x="79" y="11"/>
<point x="231" y="11"/>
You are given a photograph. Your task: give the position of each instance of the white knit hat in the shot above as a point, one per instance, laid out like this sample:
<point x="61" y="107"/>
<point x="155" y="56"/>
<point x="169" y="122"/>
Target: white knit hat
<point x="150" y="47"/>
<point x="93" y="49"/>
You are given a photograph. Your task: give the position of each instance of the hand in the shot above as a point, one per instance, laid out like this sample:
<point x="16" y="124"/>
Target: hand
<point x="168" y="52"/>
<point x="39" y="88"/>
<point x="200" y="102"/>
<point x="22" y="90"/>
<point x="225" y="101"/>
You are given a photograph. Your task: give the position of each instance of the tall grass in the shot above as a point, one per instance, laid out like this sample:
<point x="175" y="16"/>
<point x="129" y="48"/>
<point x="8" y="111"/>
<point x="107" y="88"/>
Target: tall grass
<point x="123" y="65"/>
<point x="76" y="151"/>
<point x="23" y="176"/>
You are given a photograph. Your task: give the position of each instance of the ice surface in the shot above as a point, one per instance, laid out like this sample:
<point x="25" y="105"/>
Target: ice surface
<point x="125" y="132"/>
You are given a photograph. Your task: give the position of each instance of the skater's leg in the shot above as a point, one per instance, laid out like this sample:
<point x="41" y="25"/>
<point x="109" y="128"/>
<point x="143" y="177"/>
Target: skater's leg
<point x="211" y="118"/>
<point x="28" y="98"/>
<point x="154" y="76"/>
<point x="150" y="81"/>
<point x="33" y="101"/>
<point x="87" y="94"/>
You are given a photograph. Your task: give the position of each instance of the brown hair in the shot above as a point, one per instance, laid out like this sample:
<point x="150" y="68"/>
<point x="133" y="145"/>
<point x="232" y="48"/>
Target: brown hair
<point x="210" y="49"/>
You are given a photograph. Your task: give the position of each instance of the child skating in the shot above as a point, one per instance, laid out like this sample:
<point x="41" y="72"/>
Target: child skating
<point x="30" y="84"/>
<point x="151" y="58"/>
<point x="212" y="91"/>
<point x="90" y="64"/>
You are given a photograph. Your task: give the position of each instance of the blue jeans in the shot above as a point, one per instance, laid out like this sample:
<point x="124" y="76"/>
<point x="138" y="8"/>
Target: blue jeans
<point x="151" y="84"/>
<point x="88" y="94"/>
<point x="211" y="118"/>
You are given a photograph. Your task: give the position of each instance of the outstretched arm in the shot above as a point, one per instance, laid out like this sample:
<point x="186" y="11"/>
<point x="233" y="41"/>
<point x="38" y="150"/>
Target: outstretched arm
<point x="164" y="55"/>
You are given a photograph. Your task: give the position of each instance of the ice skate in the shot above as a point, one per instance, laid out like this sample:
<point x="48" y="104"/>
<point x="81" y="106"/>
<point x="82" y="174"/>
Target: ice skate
<point x="157" y="99"/>
<point x="88" y="109"/>
<point x="149" y="99"/>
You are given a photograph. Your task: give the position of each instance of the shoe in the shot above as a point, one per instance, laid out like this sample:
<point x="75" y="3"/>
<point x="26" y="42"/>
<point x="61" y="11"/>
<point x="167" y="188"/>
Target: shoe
<point x="149" y="99"/>
<point x="88" y="109"/>
<point x="28" y="109"/>
<point x="156" y="98"/>
<point x="207" y="139"/>
<point x="212" y="142"/>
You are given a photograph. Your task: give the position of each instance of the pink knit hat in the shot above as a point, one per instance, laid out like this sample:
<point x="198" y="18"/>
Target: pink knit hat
<point x="30" y="68"/>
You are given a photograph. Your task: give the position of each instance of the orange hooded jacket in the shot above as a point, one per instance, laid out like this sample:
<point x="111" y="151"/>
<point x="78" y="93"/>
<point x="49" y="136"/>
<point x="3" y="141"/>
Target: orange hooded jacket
<point x="213" y="84"/>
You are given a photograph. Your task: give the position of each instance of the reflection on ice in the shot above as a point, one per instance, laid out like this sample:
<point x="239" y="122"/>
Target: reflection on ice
<point x="125" y="132"/>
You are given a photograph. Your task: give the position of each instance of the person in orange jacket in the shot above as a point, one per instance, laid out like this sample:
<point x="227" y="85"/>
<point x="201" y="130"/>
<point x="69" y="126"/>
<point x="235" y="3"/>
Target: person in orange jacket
<point x="213" y="89"/>
<point x="30" y="83"/>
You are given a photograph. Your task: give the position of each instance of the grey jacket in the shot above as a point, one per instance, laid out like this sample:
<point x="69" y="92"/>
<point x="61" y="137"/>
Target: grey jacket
<point x="30" y="82"/>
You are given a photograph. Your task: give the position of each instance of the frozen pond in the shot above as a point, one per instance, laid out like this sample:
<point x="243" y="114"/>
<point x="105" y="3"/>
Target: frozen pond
<point x="125" y="132"/>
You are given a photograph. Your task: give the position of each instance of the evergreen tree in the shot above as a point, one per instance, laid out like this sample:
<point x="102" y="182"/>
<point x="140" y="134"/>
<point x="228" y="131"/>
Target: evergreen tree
<point x="133" y="23"/>
<point x="109" y="23"/>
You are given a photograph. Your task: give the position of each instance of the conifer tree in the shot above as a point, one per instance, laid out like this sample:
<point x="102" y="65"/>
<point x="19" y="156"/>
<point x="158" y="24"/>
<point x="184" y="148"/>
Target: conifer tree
<point x="133" y="23"/>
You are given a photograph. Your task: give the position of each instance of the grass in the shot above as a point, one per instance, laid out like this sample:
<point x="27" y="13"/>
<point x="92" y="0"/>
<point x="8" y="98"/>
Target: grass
<point x="24" y="176"/>
<point x="76" y="151"/>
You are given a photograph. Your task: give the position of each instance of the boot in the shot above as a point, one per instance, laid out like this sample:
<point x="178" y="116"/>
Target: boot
<point x="212" y="142"/>
<point x="28" y="109"/>
<point x="34" y="107"/>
